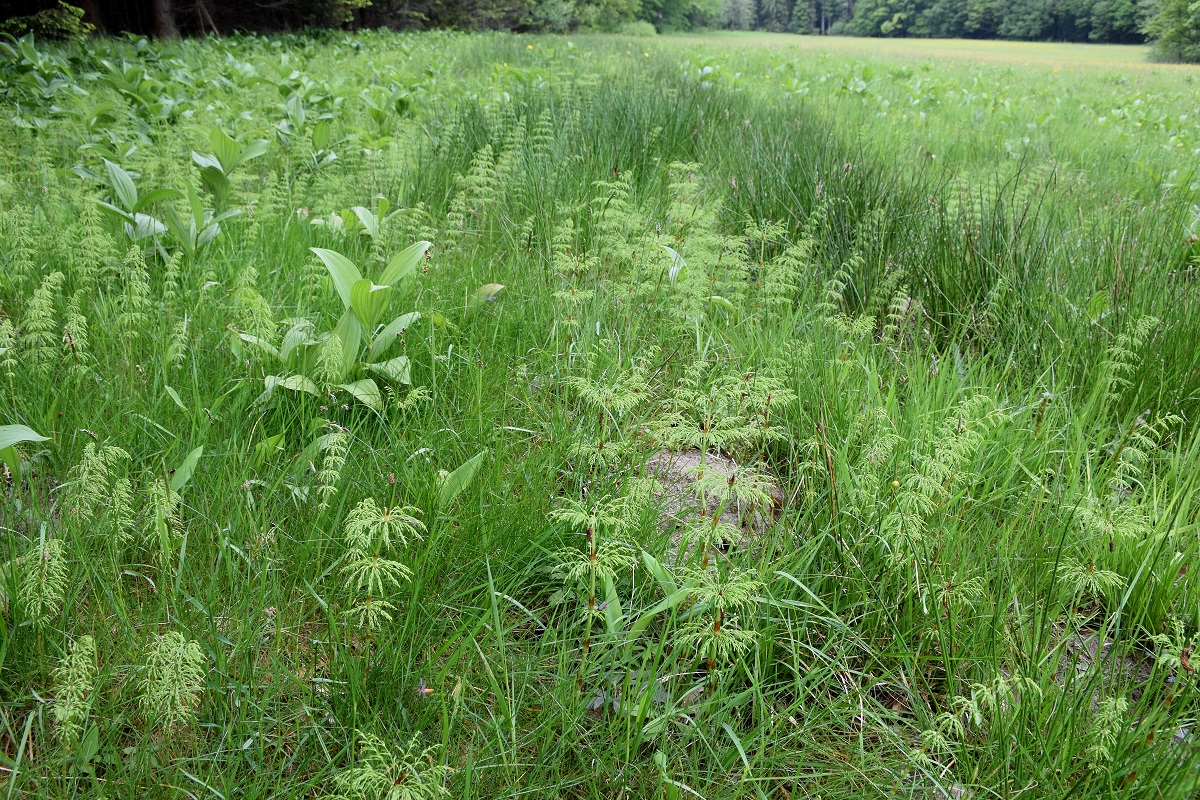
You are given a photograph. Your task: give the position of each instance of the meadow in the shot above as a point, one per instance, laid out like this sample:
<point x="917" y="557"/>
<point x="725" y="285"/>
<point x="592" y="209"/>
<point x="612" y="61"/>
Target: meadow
<point x="417" y="415"/>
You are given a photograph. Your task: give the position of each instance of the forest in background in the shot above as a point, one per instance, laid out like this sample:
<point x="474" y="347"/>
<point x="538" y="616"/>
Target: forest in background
<point x="1173" y="25"/>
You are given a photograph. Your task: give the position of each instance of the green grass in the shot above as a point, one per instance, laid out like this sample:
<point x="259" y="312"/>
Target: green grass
<point x="945" y="302"/>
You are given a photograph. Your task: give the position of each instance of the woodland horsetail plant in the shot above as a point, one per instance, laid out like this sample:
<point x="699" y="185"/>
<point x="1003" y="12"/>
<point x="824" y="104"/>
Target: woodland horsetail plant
<point x="417" y="415"/>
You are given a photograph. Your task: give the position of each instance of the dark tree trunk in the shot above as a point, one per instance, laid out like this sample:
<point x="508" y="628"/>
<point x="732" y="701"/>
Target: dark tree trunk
<point x="164" y="18"/>
<point x="91" y="14"/>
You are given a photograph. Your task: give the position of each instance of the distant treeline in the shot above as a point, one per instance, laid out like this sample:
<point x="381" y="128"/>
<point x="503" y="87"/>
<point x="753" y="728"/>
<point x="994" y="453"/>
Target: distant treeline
<point x="1174" y="25"/>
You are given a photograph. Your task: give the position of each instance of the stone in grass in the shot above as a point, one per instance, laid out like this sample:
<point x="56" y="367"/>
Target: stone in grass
<point x="693" y="487"/>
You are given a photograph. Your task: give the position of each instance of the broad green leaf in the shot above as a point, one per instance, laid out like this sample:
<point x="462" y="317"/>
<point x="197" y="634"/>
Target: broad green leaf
<point x="89" y="746"/>
<point x="145" y="226"/>
<point x="207" y="162"/>
<point x="251" y="151"/>
<point x="296" y="337"/>
<point x="458" y="480"/>
<point x="1098" y="306"/>
<point x="369" y="222"/>
<point x="113" y="211"/>
<point x="677" y="264"/>
<point x="208" y="234"/>
<point x="122" y="186"/>
<point x="366" y="391"/>
<point x="183" y="473"/>
<point x="266" y="448"/>
<point x="224" y="148"/>
<point x="156" y="196"/>
<point x="15" y="434"/>
<point x="215" y="181"/>
<point x="341" y="270"/>
<point x="390" y="333"/>
<point x="667" y="603"/>
<point x="232" y="213"/>
<point x="174" y="395"/>
<point x="196" y="205"/>
<point x="660" y="573"/>
<point x="296" y="383"/>
<point x="368" y="301"/>
<point x="486" y="293"/>
<point x="396" y="370"/>
<point x="322" y="132"/>
<point x="404" y="263"/>
<point x="262" y="344"/>
<point x="183" y="234"/>
<point x="350" y="223"/>
<point x="613" y="617"/>
<point x="349" y="330"/>
<point x="439" y="320"/>
<point x="12" y="459"/>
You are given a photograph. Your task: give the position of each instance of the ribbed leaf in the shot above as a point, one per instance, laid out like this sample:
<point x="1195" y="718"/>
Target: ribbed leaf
<point x="15" y="434"/>
<point x="677" y="264"/>
<point x="349" y="330"/>
<point x="183" y="473"/>
<point x="368" y="301"/>
<point x="341" y="270"/>
<point x="224" y="148"/>
<point x="297" y="383"/>
<point x="251" y="151"/>
<point x="391" y="332"/>
<point x="458" y="480"/>
<point x="366" y="391"/>
<point x="404" y="263"/>
<point x="396" y="370"/>
<point x="156" y="196"/>
<point x="122" y="186"/>
<point x="369" y="222"/>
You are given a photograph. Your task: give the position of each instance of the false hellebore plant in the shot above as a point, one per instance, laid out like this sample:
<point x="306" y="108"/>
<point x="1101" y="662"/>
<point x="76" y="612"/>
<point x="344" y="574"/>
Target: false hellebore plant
<point x="351" y="356"/>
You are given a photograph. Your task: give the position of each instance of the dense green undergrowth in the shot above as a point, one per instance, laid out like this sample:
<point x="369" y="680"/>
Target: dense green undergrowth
<point x="349" y="357"/>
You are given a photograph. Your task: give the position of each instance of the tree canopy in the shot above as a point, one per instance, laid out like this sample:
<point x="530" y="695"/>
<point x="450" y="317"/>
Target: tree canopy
<point x="1173" y="25"/>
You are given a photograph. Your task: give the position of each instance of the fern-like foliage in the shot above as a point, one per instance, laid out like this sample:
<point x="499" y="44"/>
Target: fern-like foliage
<point x="1140" y="448"/>
<point x="371" y="532"/>
<point x="134" y="301"/>
<point x="1121" y="356"/>
<point x="718" y="411"/>
<point x="76" y="681"/>
<point x="604" y="556"/>
<point x="40" y="326"/>
<point x="937" y="473"/>
<point x="92" y="251"/>
<point x="162" y="520"/>
<point x="474" y="192"/>
<point x="1003" y="696"/>
<point x="336" y="445"/>
<point x="251" y="312"/>
<point x="8" y="351"/>
<point x="18" y="254"/>
<point x="780" y="278"/>
<point x="44" y="580"/>
<point x="608" y="397"/>
<point x="723" y="594"/>
<point x="1109" y="722"/>
<point x="92" y="478"/>
<point x="386" y="773"/>
<point x="172" y="681"/>
<point x="75" y="338"/>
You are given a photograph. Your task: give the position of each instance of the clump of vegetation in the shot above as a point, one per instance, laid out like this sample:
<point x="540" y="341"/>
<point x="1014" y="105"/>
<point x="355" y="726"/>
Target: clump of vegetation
<point x="62" y="21"/>
<point x="340" y="370"/>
